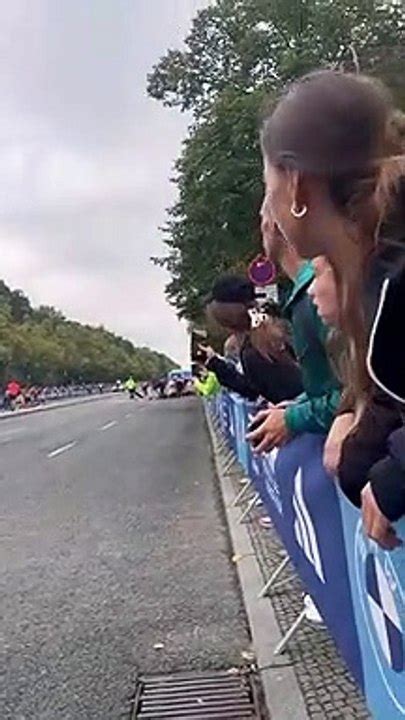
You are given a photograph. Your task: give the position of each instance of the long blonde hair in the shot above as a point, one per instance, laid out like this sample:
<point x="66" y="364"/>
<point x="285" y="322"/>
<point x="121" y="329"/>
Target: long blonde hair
<point x="386" y="207"/>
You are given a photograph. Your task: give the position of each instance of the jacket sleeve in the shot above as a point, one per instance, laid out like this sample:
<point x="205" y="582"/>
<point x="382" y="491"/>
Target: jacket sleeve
<point x="367" y="445"/>
<point x="275" y="381"/>
<point x="200" y="387"/>
<point x="230" y="377"/>
<point x="312" y="415"/>
<point x="212" y="384"/>
<point x="387" y="478"/>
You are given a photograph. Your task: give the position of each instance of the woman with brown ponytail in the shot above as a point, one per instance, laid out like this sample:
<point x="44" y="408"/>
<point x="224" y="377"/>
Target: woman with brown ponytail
<point x="325" y="148"/>
<point x="270" y="370"/>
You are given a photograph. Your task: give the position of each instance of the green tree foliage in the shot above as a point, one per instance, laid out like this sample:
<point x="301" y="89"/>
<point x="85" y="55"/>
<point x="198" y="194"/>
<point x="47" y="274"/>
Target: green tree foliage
<point x="215" y="221"/>
<point x="239" y="52"/>
<point x="40" y="346"/>
<point x="247" y="44"/>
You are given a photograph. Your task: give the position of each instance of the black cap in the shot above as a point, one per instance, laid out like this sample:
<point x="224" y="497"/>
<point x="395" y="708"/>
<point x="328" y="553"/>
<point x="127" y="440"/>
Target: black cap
<point x="233" y="289"/>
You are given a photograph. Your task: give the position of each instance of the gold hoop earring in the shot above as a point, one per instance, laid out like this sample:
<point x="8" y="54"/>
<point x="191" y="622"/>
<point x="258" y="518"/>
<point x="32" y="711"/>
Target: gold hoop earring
<point x="298" y="212"/>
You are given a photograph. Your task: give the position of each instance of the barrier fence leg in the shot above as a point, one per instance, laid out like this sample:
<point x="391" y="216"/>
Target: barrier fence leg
<point x="222" y="444"/>
<point x="273" y="578"/>
<point x="228" y="462"/>
<point x="226" y="455"/>
<point x="241" y="494"/>
<point x="279" y="649"/>
<point x="216" y="428"/>
<point x="281" y="583"/>
<point x="249" y="507"/>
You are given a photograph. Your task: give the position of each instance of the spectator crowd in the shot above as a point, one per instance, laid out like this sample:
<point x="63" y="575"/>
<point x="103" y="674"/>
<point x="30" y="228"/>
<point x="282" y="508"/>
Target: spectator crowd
<point x="16" y="395"/>
<point x="330" y="358"/>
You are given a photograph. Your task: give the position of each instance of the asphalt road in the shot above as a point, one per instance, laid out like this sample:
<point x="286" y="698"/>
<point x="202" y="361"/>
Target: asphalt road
<point x="113" y="556"/>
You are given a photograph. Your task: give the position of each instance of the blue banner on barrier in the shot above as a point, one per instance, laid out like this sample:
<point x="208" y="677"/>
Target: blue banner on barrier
<point x="312" y="532"/>
<point x="377" y="583"/>
<point x="358" y="588"/>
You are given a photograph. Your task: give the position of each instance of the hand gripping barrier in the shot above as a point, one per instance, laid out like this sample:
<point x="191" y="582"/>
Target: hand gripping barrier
<point x="358" y="588"/>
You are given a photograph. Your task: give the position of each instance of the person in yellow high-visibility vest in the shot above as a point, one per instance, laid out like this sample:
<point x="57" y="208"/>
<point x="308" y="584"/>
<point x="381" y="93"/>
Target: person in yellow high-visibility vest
<point x="207" y="384"/>
<point x="130" y="385"/>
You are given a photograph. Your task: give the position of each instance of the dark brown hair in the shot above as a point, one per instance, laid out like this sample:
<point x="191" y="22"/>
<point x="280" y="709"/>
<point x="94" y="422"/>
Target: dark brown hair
<point x="270" y="338"/>
<point x="390" y="194"/>
<point x="230" y="315"/>
<point x="334" y="126"/>
<point x="328" y="123"/>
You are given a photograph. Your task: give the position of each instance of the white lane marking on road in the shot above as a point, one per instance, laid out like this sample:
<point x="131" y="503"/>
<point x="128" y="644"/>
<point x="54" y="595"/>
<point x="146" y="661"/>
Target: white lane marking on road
<point x="109" y="425"/>
<point x="62" y="449"/>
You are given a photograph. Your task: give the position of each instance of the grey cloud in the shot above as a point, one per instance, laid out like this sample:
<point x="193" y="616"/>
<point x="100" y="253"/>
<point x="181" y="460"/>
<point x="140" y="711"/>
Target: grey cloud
<point x="85" y="159"/>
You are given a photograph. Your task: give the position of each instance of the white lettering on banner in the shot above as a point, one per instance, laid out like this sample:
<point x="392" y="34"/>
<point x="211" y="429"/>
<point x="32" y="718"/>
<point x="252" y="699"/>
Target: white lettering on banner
<point x="271" y="459"/>
<point x="304" y="528"/>
<point x="270" y="479"/>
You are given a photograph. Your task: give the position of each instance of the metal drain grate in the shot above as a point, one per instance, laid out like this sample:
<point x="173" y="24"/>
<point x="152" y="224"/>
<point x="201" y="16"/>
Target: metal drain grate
<point x="192" y="696"/>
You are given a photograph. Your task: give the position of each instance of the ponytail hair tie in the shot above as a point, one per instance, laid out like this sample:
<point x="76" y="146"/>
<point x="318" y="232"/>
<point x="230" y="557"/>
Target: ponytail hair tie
<point x="257" y="318"/>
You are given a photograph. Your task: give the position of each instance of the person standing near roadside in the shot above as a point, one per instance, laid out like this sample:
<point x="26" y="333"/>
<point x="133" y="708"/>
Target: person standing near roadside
<point x="269" y="366"/>
<point x="13" y="392"/>
<point x="206" y="383"/>
<point x="314" y="410"/>
<point x="325" y="151"/>
<point x="130" y="385"/>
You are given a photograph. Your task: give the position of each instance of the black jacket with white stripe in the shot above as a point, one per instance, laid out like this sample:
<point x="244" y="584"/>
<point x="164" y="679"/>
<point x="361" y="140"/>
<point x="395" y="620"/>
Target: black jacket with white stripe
<point x="375" y="452"/>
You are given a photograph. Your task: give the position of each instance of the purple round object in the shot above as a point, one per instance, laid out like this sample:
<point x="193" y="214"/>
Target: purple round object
<point x="262" y="271"/>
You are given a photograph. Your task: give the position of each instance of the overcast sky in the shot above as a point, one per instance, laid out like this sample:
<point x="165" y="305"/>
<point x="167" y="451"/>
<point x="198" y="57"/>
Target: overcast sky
<point x="85" y="159"/>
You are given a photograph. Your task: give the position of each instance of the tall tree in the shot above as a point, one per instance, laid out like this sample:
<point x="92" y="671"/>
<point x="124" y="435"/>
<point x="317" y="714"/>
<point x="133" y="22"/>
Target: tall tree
<point x="246" y="44"/>
<point x="214" y="225"/>
<point x="41" y="346"/>
<point x="237" y="53"/>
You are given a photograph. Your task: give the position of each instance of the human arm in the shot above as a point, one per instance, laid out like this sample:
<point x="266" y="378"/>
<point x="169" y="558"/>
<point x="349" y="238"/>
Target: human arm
<point x="312" y="415"/>
<point x="332" y="451"/>
<point x="367" y="444"/>
<point x="271" y="431"/>
<point x="377" y="525"/>
<point x="387" y="478"/>
<point x="230" y="377"/>
<point x="275" y="380"/>
<point x="372" y="470"/>
<point x="280" y="424"/>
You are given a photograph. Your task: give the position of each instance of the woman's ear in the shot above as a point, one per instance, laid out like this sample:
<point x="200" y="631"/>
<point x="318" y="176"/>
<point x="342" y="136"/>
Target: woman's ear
<point x="299" y="194"/>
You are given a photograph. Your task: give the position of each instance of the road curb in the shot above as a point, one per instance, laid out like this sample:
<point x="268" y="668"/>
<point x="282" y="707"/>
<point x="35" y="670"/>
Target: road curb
<point x="52" y="406"/>
<point x="282" y="693"/>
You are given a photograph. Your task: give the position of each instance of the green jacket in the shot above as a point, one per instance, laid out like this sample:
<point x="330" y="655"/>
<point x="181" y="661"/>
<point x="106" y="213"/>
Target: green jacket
<point x="315" y="409"/>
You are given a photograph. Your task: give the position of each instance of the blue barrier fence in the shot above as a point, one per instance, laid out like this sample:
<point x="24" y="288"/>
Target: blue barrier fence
<point x="359" y="589"/>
